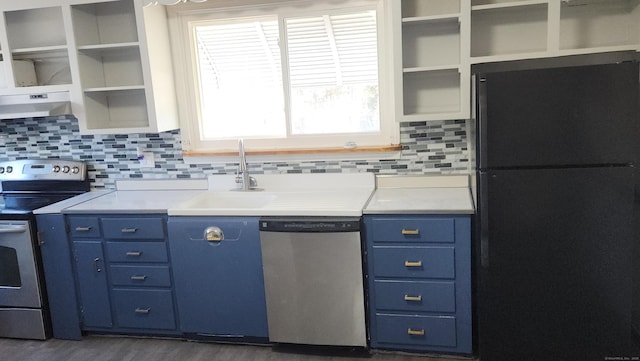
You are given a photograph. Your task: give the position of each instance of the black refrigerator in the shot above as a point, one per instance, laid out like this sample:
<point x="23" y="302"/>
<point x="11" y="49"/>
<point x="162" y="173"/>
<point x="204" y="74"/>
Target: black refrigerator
<point x="554" y="229"/>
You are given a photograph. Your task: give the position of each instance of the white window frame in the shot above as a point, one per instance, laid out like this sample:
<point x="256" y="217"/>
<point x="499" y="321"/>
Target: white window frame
<point x="180" y="17"/>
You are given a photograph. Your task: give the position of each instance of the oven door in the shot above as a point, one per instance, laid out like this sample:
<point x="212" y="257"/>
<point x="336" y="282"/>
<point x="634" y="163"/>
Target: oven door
<point x="18" y="274"/>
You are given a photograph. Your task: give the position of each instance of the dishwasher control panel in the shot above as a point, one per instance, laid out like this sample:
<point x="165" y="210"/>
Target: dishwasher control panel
<point x="310" y="224"/>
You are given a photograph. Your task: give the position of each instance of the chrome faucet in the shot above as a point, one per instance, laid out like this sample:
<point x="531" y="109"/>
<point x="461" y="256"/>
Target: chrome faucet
<point x="243" y="176"/>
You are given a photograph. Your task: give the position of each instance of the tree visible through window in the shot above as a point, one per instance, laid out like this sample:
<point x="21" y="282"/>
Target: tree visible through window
<point x="271" y="77"/>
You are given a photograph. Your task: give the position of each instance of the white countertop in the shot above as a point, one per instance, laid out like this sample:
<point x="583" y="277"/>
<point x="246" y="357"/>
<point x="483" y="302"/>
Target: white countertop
<point x="60" y="206"/>
<point x="134" y="202"/>
<point x="283" y="195"/>
<point x="415" y="194"/>
<point x="141" y="196"/>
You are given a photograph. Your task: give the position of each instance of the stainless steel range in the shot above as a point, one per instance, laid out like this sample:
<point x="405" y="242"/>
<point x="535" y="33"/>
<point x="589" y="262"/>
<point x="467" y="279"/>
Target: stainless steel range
<point x="27" y="185"/>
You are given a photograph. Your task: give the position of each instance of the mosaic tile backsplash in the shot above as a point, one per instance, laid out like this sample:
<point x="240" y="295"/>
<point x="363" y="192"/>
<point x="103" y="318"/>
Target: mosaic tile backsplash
<point x="427" y="148"/>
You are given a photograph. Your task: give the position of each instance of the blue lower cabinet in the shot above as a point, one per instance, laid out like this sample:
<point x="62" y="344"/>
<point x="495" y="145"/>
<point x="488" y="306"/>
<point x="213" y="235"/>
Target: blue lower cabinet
<point x="415" y="296"/>
<point x="144" y="309"/>
<point x="123" y="274"/>
<point x="219" y="283"/>
<point x="416" y="330"/>
<point x="419" y="270"/>
<point x="57" y="263"/>
<point x="93" y="284"/>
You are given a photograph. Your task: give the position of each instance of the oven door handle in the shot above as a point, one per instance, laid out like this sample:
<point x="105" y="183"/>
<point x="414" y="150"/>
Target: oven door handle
<point x="13" y="229"/>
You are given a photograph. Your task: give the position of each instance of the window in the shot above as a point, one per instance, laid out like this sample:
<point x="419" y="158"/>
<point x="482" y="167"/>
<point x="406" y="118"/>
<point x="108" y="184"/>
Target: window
<point x="301" y="76"/>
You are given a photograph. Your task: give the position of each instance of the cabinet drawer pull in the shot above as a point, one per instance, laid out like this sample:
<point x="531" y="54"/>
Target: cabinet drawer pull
<point x="413" y="298"/>
<point x="138" y="278"/>
<point x="129" y="230"/>
<point x="83" y="229"/>
<point x="410" y="232"/>
<point x="134" y="254"/>
<point x="413" y="264"/>
<point x="143" y="311"/>
<point x="413" y="332"/>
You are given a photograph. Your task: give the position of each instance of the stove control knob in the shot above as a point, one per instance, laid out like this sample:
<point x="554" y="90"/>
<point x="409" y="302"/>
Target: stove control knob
<point x="56" y="169"/>
<point x="75" y="170"/>
<point x="9" y="169"/>
<point x="66" y="169"/>
<point x="1" y="170"/>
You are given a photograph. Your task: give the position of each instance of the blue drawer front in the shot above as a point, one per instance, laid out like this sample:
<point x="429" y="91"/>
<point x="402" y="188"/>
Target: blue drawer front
<point x="84" y="227"/>
<point x="133" y="228"/>
<point x="150" y="309"/>
<point x="412" y="229"/>
<point x="149" y="276"/>
<point x="416" y="330"/>
<point x="415" y="296"/>
<point x="414" y="262"/>
<point x="137" y="252"/>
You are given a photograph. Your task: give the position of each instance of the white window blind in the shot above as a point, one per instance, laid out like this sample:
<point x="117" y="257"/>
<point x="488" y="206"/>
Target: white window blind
<point x="239" y="64"/>
<point x="333" y="49"/>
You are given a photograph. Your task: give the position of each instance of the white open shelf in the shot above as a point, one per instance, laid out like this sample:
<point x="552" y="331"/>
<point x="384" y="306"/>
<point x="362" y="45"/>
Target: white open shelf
<point x="509" y="30"/>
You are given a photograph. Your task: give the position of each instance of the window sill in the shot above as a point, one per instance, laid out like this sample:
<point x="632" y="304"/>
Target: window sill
<point x="289" y="155"/>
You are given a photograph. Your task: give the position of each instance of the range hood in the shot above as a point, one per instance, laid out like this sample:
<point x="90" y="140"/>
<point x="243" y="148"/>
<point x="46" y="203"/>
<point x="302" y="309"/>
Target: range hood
<point x="34" y="105"/>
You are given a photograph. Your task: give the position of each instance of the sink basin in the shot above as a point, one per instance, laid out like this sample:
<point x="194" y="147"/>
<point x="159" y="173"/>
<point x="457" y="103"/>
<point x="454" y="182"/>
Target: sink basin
<point x="209" y="202"/>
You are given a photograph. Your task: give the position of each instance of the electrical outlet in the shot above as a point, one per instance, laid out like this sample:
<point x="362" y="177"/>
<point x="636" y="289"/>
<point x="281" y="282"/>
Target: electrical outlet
<point x="148" y="160"/>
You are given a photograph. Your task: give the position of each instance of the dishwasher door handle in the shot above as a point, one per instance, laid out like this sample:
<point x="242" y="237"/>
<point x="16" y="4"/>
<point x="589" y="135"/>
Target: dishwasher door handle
<point x="213" y="234"/>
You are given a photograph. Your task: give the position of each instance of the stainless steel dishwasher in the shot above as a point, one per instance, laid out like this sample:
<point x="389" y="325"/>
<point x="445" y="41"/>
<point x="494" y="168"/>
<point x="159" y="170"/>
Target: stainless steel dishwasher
<point x="313" y="278"/>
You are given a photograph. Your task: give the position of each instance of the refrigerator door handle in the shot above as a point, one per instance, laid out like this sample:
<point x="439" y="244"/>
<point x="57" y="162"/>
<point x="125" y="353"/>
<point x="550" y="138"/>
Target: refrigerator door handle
<point x="480" y="106"/>
<point x="483" y="195"/>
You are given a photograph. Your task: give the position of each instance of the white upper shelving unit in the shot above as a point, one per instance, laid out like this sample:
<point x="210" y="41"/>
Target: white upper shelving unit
<point x="440" y="39"/>
<point x="111" y="56"/>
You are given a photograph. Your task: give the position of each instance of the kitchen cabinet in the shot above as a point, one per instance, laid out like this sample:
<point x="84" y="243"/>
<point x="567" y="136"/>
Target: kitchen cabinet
<point x="108" y="59"/>
<point x="435" y="42"/>
<point x="36" y="50"/>
<point x="93" y="285"/>
<point x="218" y="277"/>
<point x="59" y="277"/>
<point x="419" y="282"/>
<point x="431" y="67"/>
<point x="123" y="273"/>
<point x="521" y="29"/>
<point x="124" y="68"/>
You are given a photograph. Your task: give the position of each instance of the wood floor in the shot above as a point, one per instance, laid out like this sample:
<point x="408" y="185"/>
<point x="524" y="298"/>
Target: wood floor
<point x="109" y="348"/>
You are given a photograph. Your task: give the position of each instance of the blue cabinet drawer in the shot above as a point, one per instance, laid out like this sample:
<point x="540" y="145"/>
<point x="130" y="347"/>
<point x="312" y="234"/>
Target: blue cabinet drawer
<point x="416" y="330"/>
<point x="412" y="229"/>
<point x="84" y="227"/>
<point x="133" y="228"/>
<point x="145" y="309"/>
<point x="137" y="252"/>
<point x="415" y="296"/>
<point x="414" y="262"/>
<point x="149" y="276"/>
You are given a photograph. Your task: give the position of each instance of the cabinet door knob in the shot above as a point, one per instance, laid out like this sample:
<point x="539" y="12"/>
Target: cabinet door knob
<point x="143" y="311"/>
<point x="410" y="232"/>
<point x="413" y="298"/>
<point x="129" y="230"/>
<point x="138" y="278"/>
<point x="96" y="265"/>
<point x="134" y="254"/>
<point x="413" y="264"/>
<point x="83" y="229"/>
<point x="413" y="332"/>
